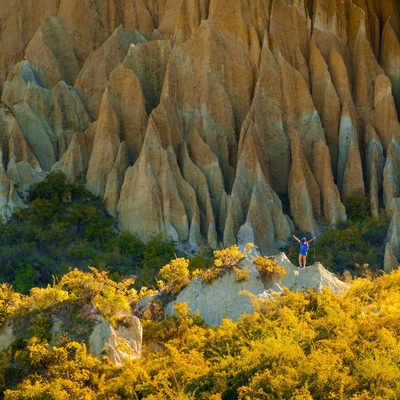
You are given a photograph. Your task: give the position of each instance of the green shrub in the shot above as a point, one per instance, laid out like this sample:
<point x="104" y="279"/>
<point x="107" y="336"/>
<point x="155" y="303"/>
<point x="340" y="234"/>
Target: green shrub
<point x="360" y="243"/>
<point x="64" y="225"/>
<point x="357" y="209"/>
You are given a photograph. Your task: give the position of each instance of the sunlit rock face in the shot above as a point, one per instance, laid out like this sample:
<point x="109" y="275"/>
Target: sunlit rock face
<point x="119" y="342"/>
<point x="205" y="121"/>
<point x="228" y="297"/>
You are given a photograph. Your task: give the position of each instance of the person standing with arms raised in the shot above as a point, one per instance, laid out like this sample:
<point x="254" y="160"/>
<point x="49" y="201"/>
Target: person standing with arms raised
<point x="304" y="246"/>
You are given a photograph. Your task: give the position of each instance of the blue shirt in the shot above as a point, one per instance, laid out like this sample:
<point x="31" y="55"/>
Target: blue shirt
<point x="304" y="248"/>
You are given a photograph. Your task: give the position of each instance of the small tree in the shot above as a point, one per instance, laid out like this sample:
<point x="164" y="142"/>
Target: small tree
<point x="176" y="273"/>
<point x="226" y="260"/>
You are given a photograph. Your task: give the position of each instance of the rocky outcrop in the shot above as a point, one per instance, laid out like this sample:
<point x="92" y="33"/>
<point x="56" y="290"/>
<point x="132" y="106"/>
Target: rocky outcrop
<point x="350" y="170"/>
<point x="19" y="169"/>
<point x="331" y="204"/>
<point x="228" y="297"/>
<point x="254" y="210"/>
<point x="120" y="344"/>
<point x="304" y="193"/>
<point x="391" y="178"/>
<point x="205" y="121"/>
<point x="390" y="261"/>
<point x="375" y="163"/>
<point x="93" y="78"/>
<point x="7" y="336"/>
<point x="313" y="276"/>
<point x="392" y="240"/>
<point x="390" y="58"/>
<point x="47" y="117"/>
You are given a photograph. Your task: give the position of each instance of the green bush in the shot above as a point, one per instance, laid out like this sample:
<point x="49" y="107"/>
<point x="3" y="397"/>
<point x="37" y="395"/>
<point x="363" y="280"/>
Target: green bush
<point x="63" y="226"/>
<point x="357" y="209"/>
<point x="358" y="244"/>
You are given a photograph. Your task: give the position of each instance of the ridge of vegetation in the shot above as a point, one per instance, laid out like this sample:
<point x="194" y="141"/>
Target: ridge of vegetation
<point x="299" y="346"/>
<point x="64" y="226"/>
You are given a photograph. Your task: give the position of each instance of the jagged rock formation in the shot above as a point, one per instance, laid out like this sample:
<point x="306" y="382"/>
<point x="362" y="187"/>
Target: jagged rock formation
<point x="226" y="297"/>
<point x="7" y="337"/>
<point x="205" y="120"/>
<point x="119" y="343"/>
<point x="392" y="249"/>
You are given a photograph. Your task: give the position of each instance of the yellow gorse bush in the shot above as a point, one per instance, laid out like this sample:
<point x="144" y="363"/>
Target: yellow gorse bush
<point x="228" y="259"/>
<point x="269" y="267"/>
<point x="298" y="346"/>
<point x="176" y="273"/>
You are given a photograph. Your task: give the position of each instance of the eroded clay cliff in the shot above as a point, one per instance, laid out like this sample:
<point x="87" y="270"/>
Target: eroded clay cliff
<point x="206" y="120"/>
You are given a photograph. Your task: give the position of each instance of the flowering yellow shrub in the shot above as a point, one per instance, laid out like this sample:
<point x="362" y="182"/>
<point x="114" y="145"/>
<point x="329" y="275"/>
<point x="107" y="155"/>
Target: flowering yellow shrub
<point x="241" y="274"/>
<point x="176" y="273"/>
<point x="298" y="346"/>
<point x="225" y="260"/>
<point x="229" y="257"/>
<point x="269" y="267"/>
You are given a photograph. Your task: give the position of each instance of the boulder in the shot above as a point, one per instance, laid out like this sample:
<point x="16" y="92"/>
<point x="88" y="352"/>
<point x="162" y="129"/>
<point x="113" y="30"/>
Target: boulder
<point x="223" y="298"/>
<point x="119" y="342"/>
<point x="392" y="239"/>
<point x="7" y="336"/>
<point x="312" y="276"/>
<point x="390" y="262"/>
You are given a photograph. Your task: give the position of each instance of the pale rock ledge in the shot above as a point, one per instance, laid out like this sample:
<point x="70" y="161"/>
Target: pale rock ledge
<point x="226" y="298"/>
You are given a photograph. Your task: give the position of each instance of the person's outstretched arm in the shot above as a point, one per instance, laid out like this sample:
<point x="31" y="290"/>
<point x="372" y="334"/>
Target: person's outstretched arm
<point x="296" y="238"/>
<point x="313" y="238"/>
